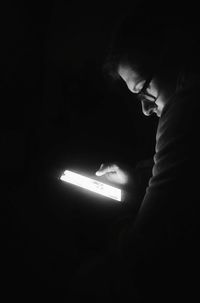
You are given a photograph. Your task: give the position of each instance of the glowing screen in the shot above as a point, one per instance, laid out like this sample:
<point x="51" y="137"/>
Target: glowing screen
<point x="92" y="185"/>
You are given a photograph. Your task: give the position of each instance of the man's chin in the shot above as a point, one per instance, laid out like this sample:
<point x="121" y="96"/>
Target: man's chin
<point x="158" y="114"/>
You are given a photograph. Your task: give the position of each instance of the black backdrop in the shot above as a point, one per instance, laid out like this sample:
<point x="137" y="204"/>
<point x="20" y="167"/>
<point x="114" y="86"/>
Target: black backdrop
<point x="58" y="111"/>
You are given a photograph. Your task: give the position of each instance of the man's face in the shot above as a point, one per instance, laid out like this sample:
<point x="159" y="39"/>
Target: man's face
<point x="151" y="99"/>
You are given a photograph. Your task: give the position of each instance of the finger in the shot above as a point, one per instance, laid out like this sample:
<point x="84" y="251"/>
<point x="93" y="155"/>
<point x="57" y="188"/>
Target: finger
<point x="102" y="172"/>
<point x="99" y="171"/>
<point x="106" y="170"/>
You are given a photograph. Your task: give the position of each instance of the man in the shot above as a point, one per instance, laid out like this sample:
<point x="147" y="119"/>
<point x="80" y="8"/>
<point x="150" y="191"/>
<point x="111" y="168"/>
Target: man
<point x="158" y="59"/>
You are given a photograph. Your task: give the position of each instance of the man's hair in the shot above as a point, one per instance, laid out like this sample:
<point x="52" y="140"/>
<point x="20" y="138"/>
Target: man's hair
<point x="151" y="38"/>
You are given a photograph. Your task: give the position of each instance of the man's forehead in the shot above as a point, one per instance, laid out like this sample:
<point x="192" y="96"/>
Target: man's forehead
<point x="127" y="73"/>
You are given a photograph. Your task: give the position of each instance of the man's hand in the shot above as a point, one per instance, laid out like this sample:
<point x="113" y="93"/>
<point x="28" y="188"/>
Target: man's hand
<point x="113" y="173"/>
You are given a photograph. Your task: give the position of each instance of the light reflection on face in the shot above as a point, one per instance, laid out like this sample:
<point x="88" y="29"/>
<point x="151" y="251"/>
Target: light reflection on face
<point x="149" y="97"/>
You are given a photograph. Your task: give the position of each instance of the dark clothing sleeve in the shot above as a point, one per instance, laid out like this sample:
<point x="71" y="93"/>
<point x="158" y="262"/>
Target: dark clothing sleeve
<point x="170" y="202"/>
<point x="164" y="233"/>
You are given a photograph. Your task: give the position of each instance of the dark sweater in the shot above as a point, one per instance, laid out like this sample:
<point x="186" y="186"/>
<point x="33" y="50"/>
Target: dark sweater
<point x="161" y="246"/>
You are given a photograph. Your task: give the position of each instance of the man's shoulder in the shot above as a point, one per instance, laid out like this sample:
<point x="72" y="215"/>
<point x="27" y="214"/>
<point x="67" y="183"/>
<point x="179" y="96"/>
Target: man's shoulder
<point x="182" y="108"/>
<point x="180" y="119"/>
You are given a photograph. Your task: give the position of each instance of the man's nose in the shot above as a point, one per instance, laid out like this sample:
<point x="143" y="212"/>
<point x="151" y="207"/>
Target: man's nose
<point x="148" y="107"/>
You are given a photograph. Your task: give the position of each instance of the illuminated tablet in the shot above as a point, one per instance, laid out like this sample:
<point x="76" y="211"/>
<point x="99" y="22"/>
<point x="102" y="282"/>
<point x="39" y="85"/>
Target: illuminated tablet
<point x="92" y="184"/>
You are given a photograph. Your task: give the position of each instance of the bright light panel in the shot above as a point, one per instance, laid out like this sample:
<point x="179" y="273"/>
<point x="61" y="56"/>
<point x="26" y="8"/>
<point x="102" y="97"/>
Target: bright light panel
<point x="91" y="184"/>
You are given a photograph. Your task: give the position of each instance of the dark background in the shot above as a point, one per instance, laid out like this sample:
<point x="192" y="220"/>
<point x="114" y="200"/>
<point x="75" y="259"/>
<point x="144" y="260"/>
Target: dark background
<point x="58" y="111"/>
